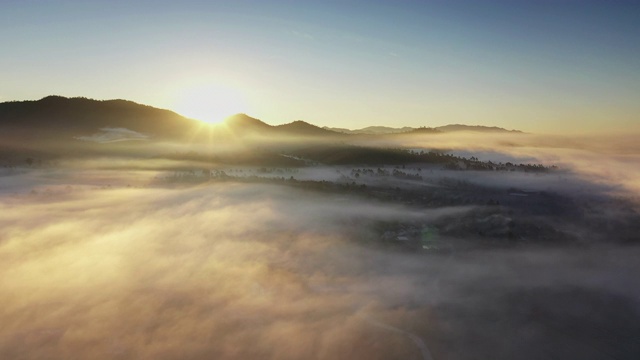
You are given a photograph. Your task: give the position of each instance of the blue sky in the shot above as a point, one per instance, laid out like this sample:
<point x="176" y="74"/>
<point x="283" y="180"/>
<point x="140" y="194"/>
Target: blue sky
<point x="541" y="66"/>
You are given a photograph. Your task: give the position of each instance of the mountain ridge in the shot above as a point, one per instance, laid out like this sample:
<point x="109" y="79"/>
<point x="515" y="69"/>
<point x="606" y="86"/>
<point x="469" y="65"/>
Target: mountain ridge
<point x="386" y="130"/>
<point x="81" y="117"/>
<point x="300" y="127"/>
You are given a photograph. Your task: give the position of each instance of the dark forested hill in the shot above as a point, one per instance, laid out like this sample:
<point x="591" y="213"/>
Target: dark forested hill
<point x="56" y="116"/>
<point x="61" y="118"/>
<point x="302" y="128"/>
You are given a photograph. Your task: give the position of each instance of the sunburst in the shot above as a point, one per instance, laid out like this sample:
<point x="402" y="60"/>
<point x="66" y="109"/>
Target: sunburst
<point x="211" y="103"/>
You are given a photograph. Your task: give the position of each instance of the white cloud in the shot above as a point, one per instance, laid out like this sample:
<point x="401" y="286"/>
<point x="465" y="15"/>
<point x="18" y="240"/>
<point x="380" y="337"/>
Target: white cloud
<point x="107" y="135"/>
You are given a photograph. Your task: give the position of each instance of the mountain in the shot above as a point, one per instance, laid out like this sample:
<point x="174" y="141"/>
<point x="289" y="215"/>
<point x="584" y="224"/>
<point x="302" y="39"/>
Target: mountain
<point x="372" y="130"/>
<point x="244" y="121"/>
<point x="474" y="128"/>
<point x="339" y="130"/>
<point x="243" y="124"/>
<point x="422" y="130"/>
<point x="383" y="130"/>
<point x="302" y="128"/>
<point x="55" y="116"/>
<point x="57" y="127"/>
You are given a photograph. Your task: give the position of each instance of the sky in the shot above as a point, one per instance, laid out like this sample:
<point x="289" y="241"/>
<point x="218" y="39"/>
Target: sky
<point x="564" y="66"/>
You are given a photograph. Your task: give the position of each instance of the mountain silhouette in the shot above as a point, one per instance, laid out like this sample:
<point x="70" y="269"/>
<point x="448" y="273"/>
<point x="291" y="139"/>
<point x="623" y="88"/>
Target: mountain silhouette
<point x="422" y="130"/>
<point x="474" y="128"/>
<point x="57" y="116"/>
<point x="247" y="123"/>
<point x="243" y="124"/>
<point x="302" y="128"/>
<point x="372" y="130"/>
<point x="385" y="130"/>
<point x="62" y="119"/>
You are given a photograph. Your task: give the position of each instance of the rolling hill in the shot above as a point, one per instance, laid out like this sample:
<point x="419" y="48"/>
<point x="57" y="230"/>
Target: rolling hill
<point x="57" y="118"/>
<point x="54" y="117"/>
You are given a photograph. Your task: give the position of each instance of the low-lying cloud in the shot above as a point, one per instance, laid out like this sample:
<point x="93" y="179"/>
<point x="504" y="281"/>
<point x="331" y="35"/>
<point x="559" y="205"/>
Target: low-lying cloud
<point x="219" y="271"/>
<point x="231" y="271"/>
<point x="104" y="258"/>
<point x="608" y="160"/>
<point x="109" y="135"/>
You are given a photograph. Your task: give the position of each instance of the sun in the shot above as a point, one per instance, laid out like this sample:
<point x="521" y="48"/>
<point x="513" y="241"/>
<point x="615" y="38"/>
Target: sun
<point x="211" y="103"/>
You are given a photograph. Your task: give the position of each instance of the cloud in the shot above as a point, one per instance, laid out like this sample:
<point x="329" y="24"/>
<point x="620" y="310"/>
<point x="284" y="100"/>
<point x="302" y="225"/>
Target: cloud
<point x="605" y="161"/>
<point x="222" y="271"/>
<point x="108" y="135"/>
<point x="231" y="270"/>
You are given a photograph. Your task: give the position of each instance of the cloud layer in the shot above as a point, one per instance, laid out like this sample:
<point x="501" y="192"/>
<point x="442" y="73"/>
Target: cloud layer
<point x="232" y="271"/>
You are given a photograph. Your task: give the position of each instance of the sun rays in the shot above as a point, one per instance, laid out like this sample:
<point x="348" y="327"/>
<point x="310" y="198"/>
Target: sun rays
<point x="210" y="102"/>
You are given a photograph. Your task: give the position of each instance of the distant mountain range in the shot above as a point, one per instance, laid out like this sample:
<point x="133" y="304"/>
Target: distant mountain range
<point x="245" y="124"/>
<point x="382" y="130"/>
<point x="372" y="130"/>
<point x="57" y="117"/>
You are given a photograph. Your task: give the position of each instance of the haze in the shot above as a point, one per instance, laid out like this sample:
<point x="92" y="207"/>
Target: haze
<point x="396" y="180"/>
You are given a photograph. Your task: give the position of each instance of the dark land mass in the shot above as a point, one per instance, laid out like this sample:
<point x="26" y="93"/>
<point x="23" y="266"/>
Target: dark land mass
<point x="56" y="127"/>
<point x="55" y="119"/>
<point x="60" y="118"/>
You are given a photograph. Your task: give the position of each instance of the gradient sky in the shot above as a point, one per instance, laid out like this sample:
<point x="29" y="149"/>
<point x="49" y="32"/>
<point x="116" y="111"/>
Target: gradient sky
<point x="539" y="66"/>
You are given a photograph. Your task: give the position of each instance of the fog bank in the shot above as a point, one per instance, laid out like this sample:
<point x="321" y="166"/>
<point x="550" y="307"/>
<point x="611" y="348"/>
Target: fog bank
<point x="233" y="271"/>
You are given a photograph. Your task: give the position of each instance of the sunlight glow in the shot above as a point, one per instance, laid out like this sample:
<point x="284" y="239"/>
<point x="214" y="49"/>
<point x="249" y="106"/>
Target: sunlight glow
<point x="211" y="103"/>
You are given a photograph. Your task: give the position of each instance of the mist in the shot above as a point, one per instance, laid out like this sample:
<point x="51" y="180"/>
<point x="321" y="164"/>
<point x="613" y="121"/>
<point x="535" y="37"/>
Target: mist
<point x="610" y="160"/>
<point x="113" y="264"/>
<point x="270" y="249"/>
